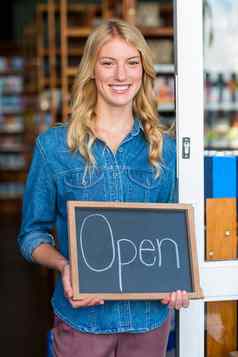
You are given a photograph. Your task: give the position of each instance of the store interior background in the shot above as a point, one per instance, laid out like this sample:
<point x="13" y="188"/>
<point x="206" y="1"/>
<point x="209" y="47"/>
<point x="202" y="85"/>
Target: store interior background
<point x="38" y="62"/>
<point x="25" y="289"/>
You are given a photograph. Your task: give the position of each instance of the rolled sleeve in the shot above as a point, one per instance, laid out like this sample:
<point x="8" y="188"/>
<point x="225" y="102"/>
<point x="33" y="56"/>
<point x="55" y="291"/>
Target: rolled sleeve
<point x="39" y="205"/>
<point x="34" y="240"/>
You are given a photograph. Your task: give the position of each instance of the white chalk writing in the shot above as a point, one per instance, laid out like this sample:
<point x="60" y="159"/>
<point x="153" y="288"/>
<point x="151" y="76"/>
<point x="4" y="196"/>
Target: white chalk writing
<point x="145" y="248"/>
<point x="112" y="240"/>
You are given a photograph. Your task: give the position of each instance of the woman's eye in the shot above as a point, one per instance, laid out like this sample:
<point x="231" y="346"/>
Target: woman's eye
<point x="107" y="64"/>
<point x="133" y="63"/>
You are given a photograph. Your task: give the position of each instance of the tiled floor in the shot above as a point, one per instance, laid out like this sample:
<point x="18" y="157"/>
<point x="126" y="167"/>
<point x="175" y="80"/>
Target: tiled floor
<point x="24" y="300"/>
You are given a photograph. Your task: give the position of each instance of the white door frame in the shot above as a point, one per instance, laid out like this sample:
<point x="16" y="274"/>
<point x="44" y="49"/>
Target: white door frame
<point x="219" y="280"/>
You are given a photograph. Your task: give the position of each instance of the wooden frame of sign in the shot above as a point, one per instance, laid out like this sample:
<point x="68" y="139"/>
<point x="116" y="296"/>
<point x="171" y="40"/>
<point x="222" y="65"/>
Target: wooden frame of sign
<point x="122" y="264"/>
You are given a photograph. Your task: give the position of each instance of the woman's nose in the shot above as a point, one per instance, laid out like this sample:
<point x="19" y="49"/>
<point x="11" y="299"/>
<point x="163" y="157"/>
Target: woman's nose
<point x="121" y="72"/>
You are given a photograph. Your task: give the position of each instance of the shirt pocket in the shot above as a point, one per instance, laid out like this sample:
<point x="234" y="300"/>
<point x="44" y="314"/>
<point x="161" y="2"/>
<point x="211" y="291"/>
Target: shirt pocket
<point x="143" y="185"/>
<point x="85" y="184"/>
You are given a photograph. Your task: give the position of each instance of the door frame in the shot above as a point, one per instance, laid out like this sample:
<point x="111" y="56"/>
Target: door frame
<point x="219" y="280"/>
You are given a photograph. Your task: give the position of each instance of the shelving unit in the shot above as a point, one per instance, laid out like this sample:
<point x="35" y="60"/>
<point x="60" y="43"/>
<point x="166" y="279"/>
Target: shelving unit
<point x="160" y="39"/>
<point x="54" y="45"/>
<point x="73" y="39"/>
<point x="70" y="57"/>
<point x="48" y="60"/>
<point x="221" y="110"/>
<point x="13" y="145"/>
<point x="61" y="31"/>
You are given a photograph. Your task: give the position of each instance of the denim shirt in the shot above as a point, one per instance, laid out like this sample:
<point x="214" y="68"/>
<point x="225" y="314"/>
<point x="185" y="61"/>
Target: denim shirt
<point x="58" y="175"/>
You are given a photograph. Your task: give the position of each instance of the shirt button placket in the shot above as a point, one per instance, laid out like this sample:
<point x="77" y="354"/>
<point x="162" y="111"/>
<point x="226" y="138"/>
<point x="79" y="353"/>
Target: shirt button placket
<point x="113" y="176"/>
<point x="116" y="183"/>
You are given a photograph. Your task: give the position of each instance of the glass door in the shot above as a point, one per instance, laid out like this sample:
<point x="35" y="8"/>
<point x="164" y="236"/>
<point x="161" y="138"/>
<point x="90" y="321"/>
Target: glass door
<point x="220" y="171"/>
<point x="206" y="112"/>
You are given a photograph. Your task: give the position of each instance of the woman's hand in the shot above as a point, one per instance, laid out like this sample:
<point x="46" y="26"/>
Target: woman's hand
<point x="68" y="291"/>
<point x="176" y="300"/>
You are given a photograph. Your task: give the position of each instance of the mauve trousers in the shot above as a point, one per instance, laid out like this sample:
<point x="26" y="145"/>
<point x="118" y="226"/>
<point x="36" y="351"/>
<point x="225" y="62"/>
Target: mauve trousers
<point x="71" y="343"/>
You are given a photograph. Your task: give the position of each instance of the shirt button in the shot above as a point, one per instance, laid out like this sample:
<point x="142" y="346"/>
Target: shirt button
<point x="120" y="150"/>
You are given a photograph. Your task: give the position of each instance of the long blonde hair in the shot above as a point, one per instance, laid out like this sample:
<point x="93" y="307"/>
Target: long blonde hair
<point x="80" y="133"/>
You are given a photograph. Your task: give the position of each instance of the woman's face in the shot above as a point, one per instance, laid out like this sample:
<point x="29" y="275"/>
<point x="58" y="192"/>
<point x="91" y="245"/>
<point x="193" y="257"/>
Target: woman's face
<point x="118" y="73"/>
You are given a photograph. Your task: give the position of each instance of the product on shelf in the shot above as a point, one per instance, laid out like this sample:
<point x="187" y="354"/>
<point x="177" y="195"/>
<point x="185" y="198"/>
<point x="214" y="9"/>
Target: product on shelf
<point x="12" y="161"/>
<point x="14" y="63"/>
<point x="221" y="91"/>
<point x="10" y="190"/>
<point x="164" y="91"/>
<point x="148" y="14"/>
<point x="14" y="144"/>
<point x="11" y="124"/>
<point x="11" y="84"/>
<point x="221" y="109"/>
<point x="162" y="50"/>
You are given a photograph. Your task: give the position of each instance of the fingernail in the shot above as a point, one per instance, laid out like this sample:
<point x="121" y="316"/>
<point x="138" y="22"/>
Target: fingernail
<point x="101" y="302"/>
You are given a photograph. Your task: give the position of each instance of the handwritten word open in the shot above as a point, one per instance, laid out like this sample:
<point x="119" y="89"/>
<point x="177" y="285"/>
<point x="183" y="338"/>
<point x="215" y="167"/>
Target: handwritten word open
<point x="146" y="245"/>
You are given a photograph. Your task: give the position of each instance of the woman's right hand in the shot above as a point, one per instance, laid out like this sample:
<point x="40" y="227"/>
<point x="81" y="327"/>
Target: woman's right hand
<point x="68" y="291"/>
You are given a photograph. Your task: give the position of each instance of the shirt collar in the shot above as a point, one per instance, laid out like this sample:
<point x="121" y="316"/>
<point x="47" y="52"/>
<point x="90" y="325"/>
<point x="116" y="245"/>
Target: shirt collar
<point x="137" y="126"/>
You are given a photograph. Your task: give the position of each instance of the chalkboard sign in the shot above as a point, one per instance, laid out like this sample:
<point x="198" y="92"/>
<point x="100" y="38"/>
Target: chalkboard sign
<point x="125" y="251"/>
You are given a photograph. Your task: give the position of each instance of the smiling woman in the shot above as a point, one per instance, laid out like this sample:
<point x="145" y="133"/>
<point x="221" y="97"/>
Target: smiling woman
<point x="112" y="149"/>
<point x="123" y="46"/>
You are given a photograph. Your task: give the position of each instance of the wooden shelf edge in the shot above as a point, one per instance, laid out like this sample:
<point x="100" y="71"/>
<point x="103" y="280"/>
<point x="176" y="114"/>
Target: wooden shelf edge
<point x="156" y="31"/>
<point x="78" y="32"/>
<point x="72" y="71"/>
<point x="71" y="7"/>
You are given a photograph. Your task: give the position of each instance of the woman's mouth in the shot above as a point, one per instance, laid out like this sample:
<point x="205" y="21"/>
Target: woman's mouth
<point x="119" y="88"/>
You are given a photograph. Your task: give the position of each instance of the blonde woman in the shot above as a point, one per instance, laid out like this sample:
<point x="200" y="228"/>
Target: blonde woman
<point x="112" y="149"/>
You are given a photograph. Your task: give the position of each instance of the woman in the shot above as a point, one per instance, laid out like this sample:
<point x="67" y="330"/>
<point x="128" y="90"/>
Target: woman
<point x="112" y="149"/>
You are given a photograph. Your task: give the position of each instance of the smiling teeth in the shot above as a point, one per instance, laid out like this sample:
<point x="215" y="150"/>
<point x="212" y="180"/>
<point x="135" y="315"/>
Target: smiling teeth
<point x="120" y="87"/>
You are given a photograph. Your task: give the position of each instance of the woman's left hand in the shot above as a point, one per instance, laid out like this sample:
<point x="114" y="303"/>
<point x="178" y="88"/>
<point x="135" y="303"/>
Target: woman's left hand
<point x="176" y="300"/>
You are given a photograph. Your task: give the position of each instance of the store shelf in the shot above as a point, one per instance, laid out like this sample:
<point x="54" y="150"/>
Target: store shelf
<point x="71" y="51"/>
<point x="10" y="73"/>
<point x="220" y="150"/>
<point x="78" y="32"/>
<point x="11" y="93"/>
<point x="165" y="68"/>
<point x="13" y="170"/>
<point x="72" y="71"/>
<point x="156" y="31"/>
<point x="74" y="33"/>
<point x="75" y="51"/>
<point x="10" y="205"/>
<point x="12" y="149"/>
<point x="46" y="82"/>
<point x="11" y="132"/>
<point x="71" y="7"/>
<point x="166" y="108"/>
<point x="10" y="196"/>
<point x="11" y="112"/>
<point x="222" y="107"/>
